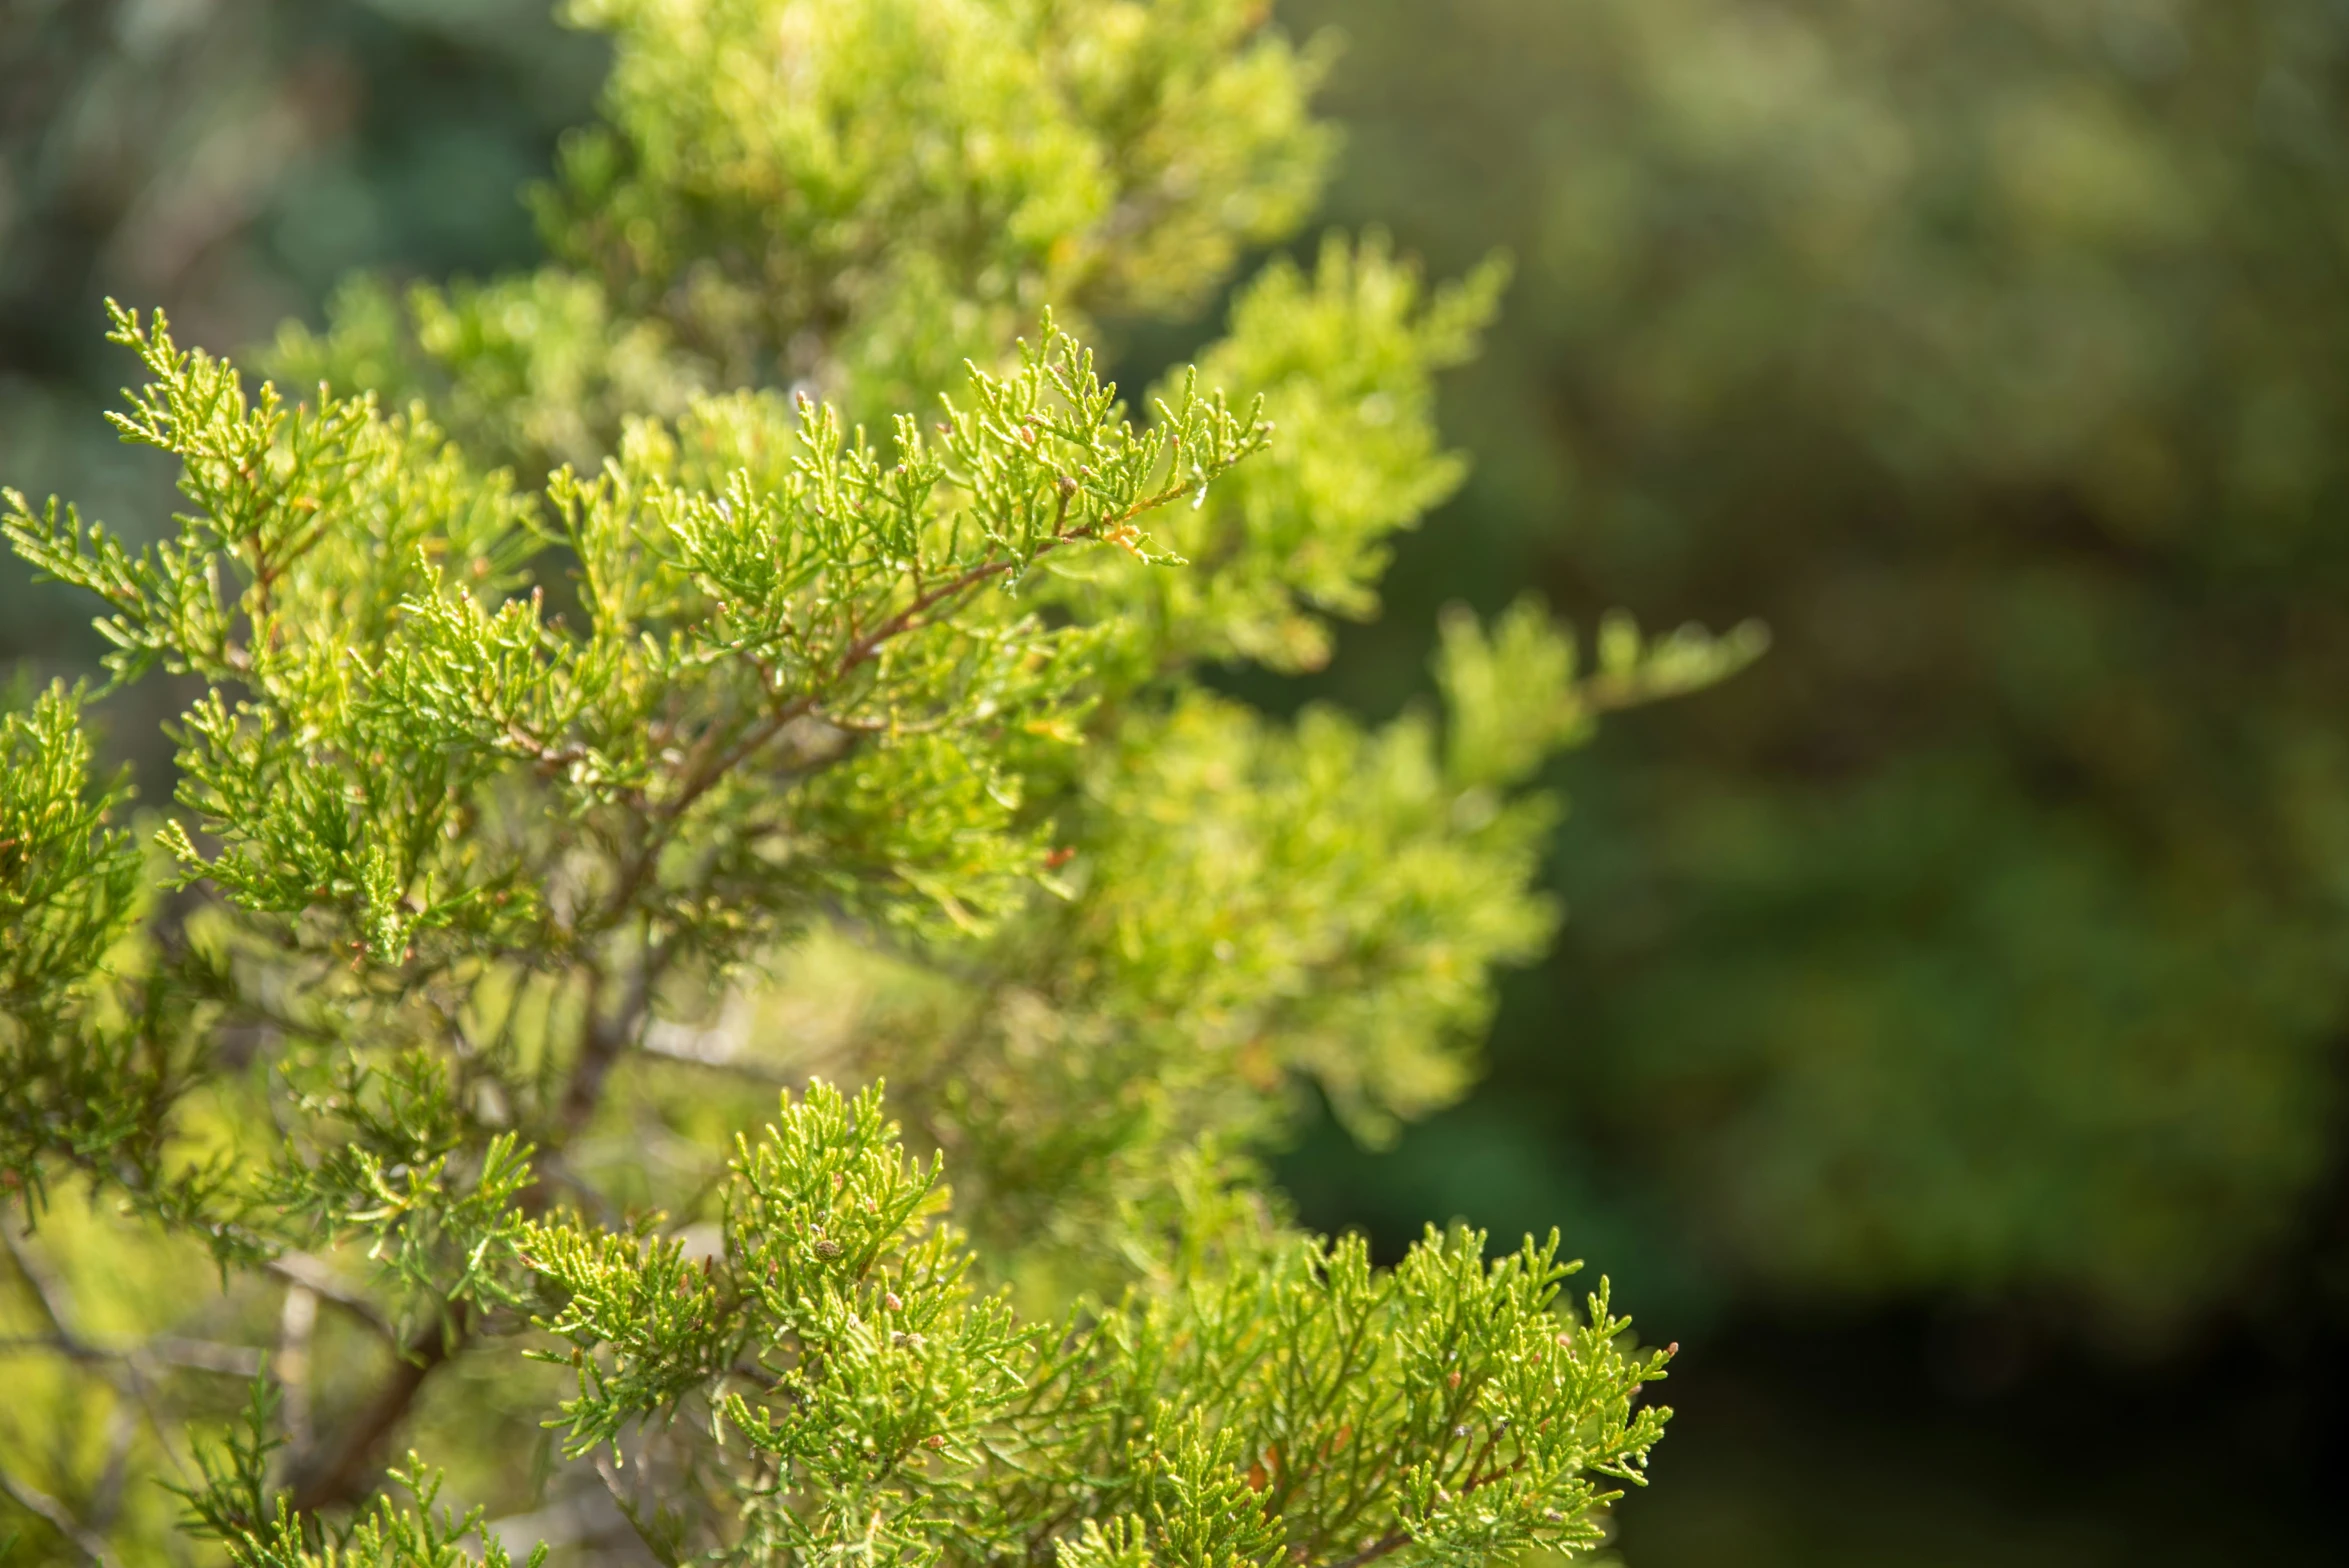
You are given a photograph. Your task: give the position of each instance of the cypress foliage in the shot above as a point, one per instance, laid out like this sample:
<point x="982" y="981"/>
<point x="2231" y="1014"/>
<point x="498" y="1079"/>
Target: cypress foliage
<point x="450" y="1070"/>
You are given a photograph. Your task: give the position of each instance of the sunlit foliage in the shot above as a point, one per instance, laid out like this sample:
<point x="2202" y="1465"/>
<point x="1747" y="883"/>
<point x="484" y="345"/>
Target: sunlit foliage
<point x="417" y="1090"/>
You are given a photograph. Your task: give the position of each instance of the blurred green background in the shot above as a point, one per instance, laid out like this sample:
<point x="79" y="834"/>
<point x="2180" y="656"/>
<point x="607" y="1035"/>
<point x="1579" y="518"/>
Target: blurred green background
<point x="1948" y="1043"/>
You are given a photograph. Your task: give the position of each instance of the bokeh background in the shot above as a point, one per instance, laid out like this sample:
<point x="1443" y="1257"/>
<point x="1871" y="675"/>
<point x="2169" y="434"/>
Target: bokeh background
<point x="1949" y="1040"/>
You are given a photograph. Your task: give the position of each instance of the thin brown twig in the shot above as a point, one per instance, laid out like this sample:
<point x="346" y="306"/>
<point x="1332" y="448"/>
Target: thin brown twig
<point x="1375" y="1550"/>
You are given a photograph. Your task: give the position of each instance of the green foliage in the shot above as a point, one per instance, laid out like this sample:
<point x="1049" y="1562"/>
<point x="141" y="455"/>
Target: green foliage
<point x="67" y="887"/>
<point x="527" y="835"/>
<point x="1345" y="359"/>
<point x="855" y="197"/>
<point x="758" y="630"/>
<point x="70" y="879"/>
<point x="1276" y="1396"/>
<point x="234" y="1507"/>
<point x="91" y="1071"/>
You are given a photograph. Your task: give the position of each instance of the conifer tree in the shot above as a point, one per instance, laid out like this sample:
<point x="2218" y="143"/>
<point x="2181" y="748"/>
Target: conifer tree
<point x="642" y="833"/>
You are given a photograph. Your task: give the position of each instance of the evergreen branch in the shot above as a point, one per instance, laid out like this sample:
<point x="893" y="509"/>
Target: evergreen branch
<point x="457" y="853"/>
<point x="703" y="774"/>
